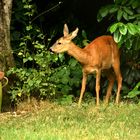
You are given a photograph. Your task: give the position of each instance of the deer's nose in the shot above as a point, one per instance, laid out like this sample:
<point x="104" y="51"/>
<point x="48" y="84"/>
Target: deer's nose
<point x="51" y="49"/>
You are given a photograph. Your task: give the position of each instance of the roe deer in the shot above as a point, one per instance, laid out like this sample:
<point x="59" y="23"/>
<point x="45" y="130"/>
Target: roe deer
<point x="102" y="54"/>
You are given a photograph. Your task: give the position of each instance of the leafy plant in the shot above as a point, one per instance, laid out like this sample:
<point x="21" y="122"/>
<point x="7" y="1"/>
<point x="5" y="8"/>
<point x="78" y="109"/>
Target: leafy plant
<point x="135" y="91"/>
<point x="33" y="73"/>
<point x="39" y="72"/>
<point x="126" y="17"/>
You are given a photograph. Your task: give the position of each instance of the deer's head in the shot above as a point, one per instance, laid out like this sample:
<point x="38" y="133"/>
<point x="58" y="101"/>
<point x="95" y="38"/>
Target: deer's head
<point x="63" y="43"/>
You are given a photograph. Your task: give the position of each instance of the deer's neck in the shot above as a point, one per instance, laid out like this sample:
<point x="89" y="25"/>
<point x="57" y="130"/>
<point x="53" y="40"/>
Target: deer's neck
<point x="79" y="54"/>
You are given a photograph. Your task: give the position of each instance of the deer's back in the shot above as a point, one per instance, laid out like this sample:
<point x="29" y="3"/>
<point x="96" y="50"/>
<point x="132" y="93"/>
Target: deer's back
<point x="102" y="52"/>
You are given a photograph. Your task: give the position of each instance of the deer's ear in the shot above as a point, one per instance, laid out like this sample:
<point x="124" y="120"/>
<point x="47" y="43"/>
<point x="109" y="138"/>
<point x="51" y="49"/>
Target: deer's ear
<point x="65" y="30"/>
<point x="74" y="33"/>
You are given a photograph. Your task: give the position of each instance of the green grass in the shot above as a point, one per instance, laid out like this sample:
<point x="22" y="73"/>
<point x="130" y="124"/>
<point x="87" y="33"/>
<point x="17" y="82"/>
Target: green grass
<point x="59" y="122"/>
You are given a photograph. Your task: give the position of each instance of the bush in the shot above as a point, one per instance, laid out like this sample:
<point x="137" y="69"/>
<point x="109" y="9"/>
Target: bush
<point x="38" y="72"/>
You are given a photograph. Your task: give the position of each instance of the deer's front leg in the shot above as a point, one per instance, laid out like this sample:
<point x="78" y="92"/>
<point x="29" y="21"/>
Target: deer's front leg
<point x="82" y="88"/>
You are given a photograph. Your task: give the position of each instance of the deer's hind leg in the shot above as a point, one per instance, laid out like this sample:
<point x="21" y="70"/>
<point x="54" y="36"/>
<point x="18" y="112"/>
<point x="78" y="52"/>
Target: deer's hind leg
<point x="98" y="77"/>
<point x="111" y="78"/>
<point x="116" y="67"/>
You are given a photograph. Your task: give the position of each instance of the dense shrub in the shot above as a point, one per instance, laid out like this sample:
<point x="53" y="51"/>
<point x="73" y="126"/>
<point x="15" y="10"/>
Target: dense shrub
<point x="38" y="72"/>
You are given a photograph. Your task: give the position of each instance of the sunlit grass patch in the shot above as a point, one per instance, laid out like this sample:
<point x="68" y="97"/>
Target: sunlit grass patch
<point x="59" y="122"/>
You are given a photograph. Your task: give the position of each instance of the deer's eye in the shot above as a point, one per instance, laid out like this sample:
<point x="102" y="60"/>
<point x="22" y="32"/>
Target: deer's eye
<point x="59" y="43"/>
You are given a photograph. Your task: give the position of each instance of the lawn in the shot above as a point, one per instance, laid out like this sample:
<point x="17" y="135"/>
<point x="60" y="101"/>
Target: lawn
<point x="50" y="121"/>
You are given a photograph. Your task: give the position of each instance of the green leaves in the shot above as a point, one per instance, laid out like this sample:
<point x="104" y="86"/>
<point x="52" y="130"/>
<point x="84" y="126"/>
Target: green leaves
<point x="33" y="71"/>
<point x="135" y="92"/>
<point x="113" y="28"/>
<point x="104" y="11"/>
<point x="118" y="26"/>
<point x="128" y="10"/>
<point x="72" y="62"/>
<point x="124" y="9"/>
<point x="133" y="29"/>
<point x="120" y="29"/>
<point x="117" y="36"/>
<point x="119" y="14"/>
<point x="29" y="27"/>
<point x="123" y="29"/>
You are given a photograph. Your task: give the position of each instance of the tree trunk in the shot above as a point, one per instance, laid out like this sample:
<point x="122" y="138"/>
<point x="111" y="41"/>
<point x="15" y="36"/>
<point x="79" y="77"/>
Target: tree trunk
<point x="6" y="54"/>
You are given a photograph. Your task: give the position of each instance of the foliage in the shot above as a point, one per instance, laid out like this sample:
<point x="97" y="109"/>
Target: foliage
<point x="33" y="73"/>
<point x="127" y="18"/>
<point x="125" y="28"/>
<point x="135" y="91"/>
<point x="38" y="72"/>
